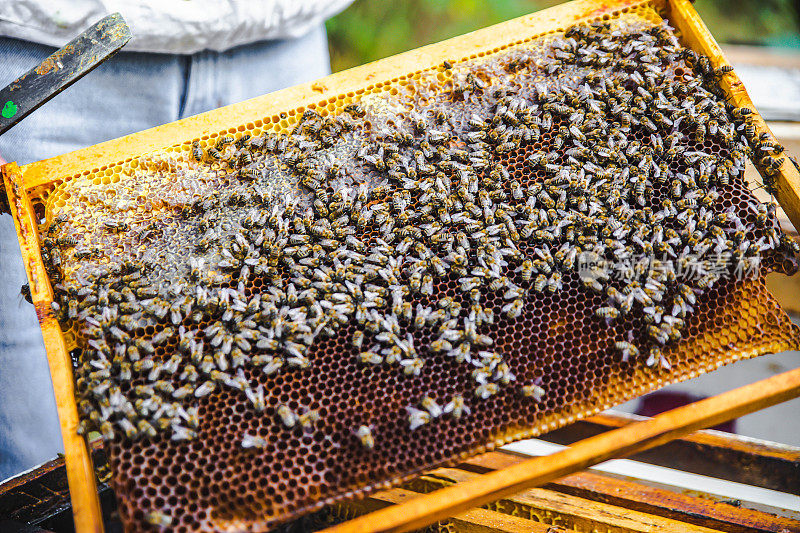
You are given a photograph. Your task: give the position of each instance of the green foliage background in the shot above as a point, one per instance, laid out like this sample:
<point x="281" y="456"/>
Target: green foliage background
<point x="372" y="29"/>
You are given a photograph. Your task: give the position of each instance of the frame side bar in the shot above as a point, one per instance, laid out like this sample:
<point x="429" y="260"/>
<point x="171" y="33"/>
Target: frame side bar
<point x="80" y="471"/>
<point x="696" y="35"/>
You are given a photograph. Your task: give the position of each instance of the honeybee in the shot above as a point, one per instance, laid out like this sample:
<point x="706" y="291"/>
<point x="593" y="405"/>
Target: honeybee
<point x="533" y="391"/>
<point x="287" y="416"/>
<point x="433" y="408"/>
<point x="159" y="519"/>
<point x="656" y="357"/>
<point x="253" y="441"/>
<point x="700" y="133"/>
<point x="417" y="417"/>
<point x="355" y="109"/>
<point x="412" y="366"/>
<point x="607" y="312"/>
<point x="554" y="283"/>
<point x="197" y="152"/>
<point x="627" y="350"/>
<point x="242" y="141"/>
<point x="256" y="397"/>
<point x="485" y="390"/>
<point x="308" y="419"/>
<point x="456" y="407"/>
<point x="273" y="365"/>
<point x="370" y="357"/>
<point x="724" y="69"/>
<point x="205" y="389"/>
<point x="115" y="225"/>
<point x="244" y="159"/>
<point x="357" y="339"/>
<point x="365" y="436"/>
<point x="223" y="141"/>
<point x="426" y="287"/>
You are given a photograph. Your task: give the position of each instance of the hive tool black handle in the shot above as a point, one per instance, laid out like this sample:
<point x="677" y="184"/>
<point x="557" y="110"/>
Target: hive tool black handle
<point x="66" y="66"/>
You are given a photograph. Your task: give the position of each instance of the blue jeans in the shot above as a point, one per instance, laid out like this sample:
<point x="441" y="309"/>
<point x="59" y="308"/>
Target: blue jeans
<point x="129" y="93"/>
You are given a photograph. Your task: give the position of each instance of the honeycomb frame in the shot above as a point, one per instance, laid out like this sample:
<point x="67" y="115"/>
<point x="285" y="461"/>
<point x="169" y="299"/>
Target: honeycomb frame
<point x="27" y="187"/>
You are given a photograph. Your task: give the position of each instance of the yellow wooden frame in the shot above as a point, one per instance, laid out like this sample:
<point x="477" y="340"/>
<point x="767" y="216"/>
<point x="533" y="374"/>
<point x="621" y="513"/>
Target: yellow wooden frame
<point x="23" y="183"/>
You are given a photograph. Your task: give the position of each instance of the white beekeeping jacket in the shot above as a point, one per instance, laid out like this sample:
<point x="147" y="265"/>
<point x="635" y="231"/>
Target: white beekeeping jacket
<point x="168" y="26"/>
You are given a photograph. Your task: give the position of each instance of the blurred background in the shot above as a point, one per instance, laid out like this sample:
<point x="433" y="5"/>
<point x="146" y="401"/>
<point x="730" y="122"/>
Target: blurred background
<point x="370" y="30"/>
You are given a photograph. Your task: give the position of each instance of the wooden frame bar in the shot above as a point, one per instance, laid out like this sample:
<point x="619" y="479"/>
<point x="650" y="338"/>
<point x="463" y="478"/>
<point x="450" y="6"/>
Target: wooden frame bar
<point x="695" y="35"/>
<point x="640" y="497"/>
<point x="710" y="453"/>
<point x="571" y="511"/>
<point x="473" y="520"/>
<point x="80" y="471"/>
<point x="24" y="183"/>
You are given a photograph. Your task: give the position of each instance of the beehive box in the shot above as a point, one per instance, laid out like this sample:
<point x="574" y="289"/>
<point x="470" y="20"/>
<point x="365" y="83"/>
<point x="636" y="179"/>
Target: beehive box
<point x="555" y="358"/>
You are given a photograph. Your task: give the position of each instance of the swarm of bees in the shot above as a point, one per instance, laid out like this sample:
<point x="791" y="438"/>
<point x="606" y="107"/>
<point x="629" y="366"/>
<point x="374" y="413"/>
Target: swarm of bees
<point x="356" y="218"/>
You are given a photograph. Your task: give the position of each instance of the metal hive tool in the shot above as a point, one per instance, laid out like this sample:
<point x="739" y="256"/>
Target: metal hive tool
<point x="564" y="355"/>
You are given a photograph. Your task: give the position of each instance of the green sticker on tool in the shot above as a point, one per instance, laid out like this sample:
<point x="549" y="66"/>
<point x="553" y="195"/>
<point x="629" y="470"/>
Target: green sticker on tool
<point x="9" y="109"/>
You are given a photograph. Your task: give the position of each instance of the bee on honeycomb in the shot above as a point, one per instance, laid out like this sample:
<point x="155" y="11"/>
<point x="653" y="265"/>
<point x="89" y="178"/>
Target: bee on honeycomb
<point x="623" y="126"/>
<point x="597" y="164"/>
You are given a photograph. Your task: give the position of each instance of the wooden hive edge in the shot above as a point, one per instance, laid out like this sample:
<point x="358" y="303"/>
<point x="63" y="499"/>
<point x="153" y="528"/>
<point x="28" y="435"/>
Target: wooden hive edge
<point x="696" y="35"/>
<point x="80" y="470"/>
